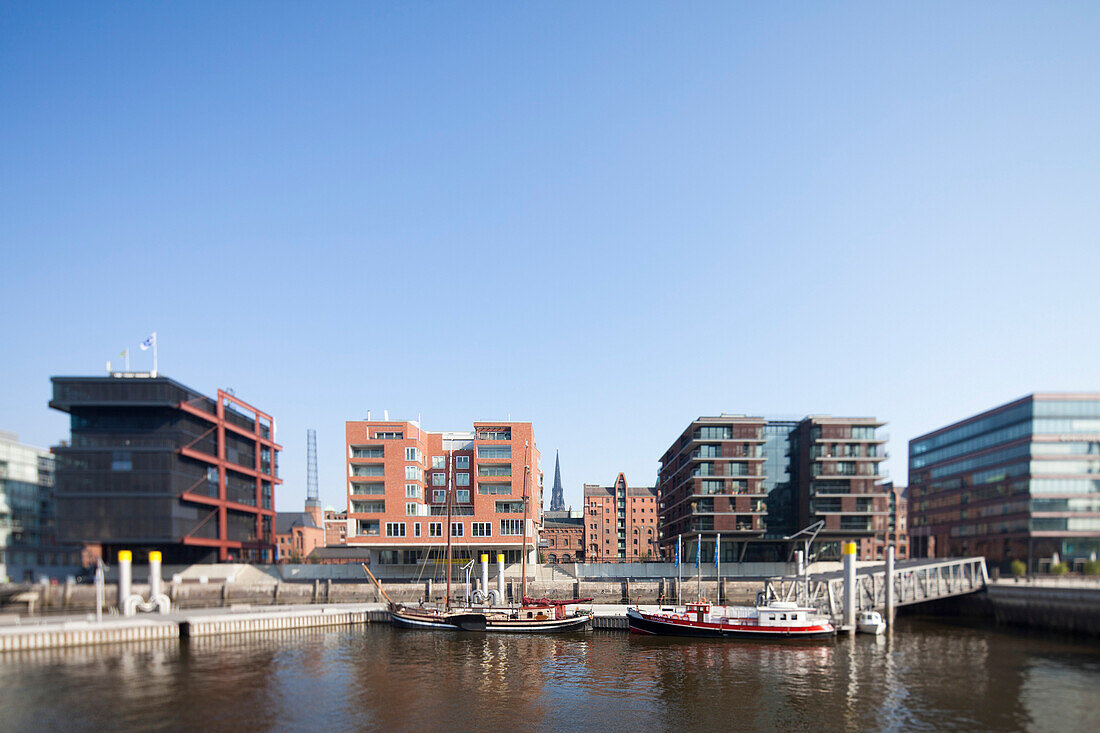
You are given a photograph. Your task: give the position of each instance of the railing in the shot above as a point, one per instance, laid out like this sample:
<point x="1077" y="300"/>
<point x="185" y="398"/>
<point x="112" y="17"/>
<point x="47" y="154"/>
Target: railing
<point x="914" y="582"/>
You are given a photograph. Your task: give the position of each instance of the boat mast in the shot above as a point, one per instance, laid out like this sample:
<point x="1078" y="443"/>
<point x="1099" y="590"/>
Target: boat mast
<point x="447" y="603"/>
<point x="523" y="552"/>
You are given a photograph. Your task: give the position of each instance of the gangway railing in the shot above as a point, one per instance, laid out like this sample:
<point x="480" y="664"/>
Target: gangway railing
<point x="915" y="581"/>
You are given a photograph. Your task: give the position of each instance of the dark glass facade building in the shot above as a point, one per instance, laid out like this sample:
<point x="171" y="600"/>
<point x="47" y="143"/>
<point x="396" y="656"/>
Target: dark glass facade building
<point x="756" y="481"/>
<point x="152" y="464"/>
<point x="1020" y="481"/>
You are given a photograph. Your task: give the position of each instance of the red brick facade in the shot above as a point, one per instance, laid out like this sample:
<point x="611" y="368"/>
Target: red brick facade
<point x="398" y="475"/>
<point x="620" y="522"/>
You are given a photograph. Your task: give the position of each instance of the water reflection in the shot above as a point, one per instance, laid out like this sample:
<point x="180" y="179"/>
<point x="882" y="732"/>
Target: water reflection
<point x="919" y="675"/>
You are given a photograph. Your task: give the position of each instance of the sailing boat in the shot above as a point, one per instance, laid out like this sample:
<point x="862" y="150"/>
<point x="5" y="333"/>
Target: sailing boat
<point x="532" y="616"/>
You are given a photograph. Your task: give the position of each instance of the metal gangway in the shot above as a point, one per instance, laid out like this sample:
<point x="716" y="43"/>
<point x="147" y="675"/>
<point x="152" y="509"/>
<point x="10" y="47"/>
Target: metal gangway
<point x="914" y="581"/>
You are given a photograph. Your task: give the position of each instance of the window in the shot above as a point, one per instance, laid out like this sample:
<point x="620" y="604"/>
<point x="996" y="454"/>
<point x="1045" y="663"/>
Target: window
<point x="456" y="529"/>
<point x="416" y="529"/>
<point x="509" y="507"/>
<point x="368" y="451"/>
<point x="412" y="453"/>
<point x="462" y="479"/>
<point x="414" y="473"/>
<point x="481" y="529"/>
<point x="494" y="451"/>
<point x="388" y="435"/>
<point x="494" y="434"/>
<point x="411" y="509"/>
<point x="486" y="489"/>
<point x="439" y="496"/>
<point x="374" y="487"/>
<point x="368" y="527"/>
<point x="863" y="432"/>
<point x="462" y="496"/>
<point x="371" y="469"/>
<point x="495" y="470"/>
<point x="439" y="479"/>
<point x="462" y="461"/>
<point x="412" y="491"/>
<point x="395" y="529"/>
<point x="511" y="526"/>
<point x="439" y="461"/>
<point x="435" y="529"/>
<point x="368" y="507"/>
<point x="121" y="461"/>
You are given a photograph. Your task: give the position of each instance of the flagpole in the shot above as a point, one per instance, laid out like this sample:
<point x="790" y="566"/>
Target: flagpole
<point x="679" y="569"/>
<point x="154" y="353"/>
<point x="718" y="567"/>
<point x="127" y="355"/>
<point x="698" y="570"/>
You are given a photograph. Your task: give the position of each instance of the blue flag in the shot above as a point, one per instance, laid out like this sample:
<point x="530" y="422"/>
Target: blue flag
<point x="698" y="542"/>
<point x="717" y="549"/>
<point x="677" y="552"/>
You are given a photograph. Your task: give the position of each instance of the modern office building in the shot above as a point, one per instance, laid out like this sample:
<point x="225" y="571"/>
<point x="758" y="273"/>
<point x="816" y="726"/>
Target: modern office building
<point x="398" y="477"/>
<point x="1018" y="482"/>
<point x="756" y="481"/>
<point x="29" y="549"/>
<point x="620" y="522"/>
<point x="154" y="465"/>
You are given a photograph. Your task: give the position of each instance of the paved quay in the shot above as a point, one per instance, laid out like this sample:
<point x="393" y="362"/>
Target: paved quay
<point x="26" y="633"/>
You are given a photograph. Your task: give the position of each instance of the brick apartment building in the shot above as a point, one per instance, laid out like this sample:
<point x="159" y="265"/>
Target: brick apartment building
<point x="336" y="528"/>
<point x="154" y="465"/>
<point x="398" y="476"/>
<point x="756" y="481"/>
<point x="620" y="522"/>
<point x="562" y="536"/>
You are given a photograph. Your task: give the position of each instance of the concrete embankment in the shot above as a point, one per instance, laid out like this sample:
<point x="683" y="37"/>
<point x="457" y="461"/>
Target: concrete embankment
<point x="73" y="598"/>
<point x="46" y="633"/>
<point x="1061" y="606"/>
<point x="1066" y="605"/>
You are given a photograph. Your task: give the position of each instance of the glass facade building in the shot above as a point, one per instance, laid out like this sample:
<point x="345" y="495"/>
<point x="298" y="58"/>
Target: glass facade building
<point x="154" y="465"/>
<point x="1020" y="481"/>
<point x="28" y="546"/>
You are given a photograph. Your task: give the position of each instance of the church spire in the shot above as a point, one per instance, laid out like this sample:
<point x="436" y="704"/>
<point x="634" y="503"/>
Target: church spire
<point x="557" y="498"/>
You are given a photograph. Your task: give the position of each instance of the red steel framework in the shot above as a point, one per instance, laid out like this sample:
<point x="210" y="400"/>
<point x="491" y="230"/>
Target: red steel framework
<point x="221" y="505"/>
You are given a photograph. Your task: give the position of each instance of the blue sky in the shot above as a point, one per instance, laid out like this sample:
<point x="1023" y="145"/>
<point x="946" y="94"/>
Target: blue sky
<point x="607" y="218"/>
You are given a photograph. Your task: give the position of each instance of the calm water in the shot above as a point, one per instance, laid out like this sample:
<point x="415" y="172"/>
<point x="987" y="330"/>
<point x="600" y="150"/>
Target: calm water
<point x="927" y="675"/>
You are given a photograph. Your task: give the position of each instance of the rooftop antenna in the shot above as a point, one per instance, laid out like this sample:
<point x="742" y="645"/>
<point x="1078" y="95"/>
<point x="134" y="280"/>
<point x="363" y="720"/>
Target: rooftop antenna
<point x="313" y="496"/>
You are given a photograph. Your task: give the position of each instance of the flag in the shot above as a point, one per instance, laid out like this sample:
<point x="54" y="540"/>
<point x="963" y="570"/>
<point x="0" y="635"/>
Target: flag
<point x="123" y="353"/>
<point x="149" y="342"/>
<point x="677" y="552"/>
<point x="717" y="549"/>
<point x="698" y="543"/>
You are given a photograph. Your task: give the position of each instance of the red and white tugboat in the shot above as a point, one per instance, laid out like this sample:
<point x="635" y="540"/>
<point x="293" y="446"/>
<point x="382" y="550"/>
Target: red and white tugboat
<point x="776" y="620"/>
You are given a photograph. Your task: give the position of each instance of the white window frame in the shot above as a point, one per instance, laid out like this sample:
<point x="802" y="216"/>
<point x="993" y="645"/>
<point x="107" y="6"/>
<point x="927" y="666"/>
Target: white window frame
<point x="456" y="529"/>
<point x="435" y="529"/>
<point x="392" y="529"/>
<point x="462" y="479"/>
<point x="462" y="461"/>
<point x="414" y="473"/>
<point x="411" y="509"/>
<point x="439" y="479"/>
<point x="439" y="496"/>
<point x="416" y="529"/>
<point x="459" y="499"/>
<point x="481" y="529"/>
<point x="412" y="453"/>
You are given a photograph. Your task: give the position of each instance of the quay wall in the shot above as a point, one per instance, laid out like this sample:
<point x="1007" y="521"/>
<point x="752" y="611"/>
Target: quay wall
<point x="1066" y="605"/>
<point x="39" y="600"/>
